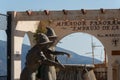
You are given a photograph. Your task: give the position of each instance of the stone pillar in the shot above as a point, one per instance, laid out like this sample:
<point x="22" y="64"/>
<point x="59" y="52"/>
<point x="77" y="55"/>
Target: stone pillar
<point x="115" y="70"/>
<point x="109" y="73"/>
<point x="18" y="33"/>
<point x="17" y="56"/>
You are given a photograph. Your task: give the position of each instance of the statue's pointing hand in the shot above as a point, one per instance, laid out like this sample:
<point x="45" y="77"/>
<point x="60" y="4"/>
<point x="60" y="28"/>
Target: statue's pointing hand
<point x="68" y="55"/>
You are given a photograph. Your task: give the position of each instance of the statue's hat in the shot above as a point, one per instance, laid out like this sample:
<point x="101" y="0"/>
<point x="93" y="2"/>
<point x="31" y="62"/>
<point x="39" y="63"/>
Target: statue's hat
<point x="43" y="39"/>
<point x="50" y="33"/>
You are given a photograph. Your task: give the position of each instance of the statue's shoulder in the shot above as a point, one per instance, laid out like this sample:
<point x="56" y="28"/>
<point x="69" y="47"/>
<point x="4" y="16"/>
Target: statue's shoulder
<point x="33" y="49"/>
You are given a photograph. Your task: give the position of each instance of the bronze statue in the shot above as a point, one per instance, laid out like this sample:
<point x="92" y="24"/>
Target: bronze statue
<point x="35" y="58"/>
<point x="46" y="71"/>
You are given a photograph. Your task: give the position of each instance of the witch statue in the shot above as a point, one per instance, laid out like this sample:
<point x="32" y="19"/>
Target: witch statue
<point x="47" y="71"/>
<point x="35" y="57"/>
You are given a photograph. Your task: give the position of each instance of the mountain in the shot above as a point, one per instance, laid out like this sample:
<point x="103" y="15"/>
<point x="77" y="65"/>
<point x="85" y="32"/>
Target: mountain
<point x="75" y="58"/>
<point x="3" y="58"/>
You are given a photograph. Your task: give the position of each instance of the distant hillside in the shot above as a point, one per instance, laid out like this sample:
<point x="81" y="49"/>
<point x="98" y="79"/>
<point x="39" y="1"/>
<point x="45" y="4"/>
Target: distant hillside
<point x="3" y="58"/>
<point x="75" y="59"/>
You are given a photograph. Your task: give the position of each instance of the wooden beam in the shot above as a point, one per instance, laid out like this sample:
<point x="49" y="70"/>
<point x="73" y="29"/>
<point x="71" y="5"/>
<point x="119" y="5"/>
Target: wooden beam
<point x="116" y="52"/>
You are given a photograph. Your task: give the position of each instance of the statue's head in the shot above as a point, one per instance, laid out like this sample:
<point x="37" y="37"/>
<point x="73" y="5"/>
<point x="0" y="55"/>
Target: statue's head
<point x="51" y="34"/>
<point x="43" y="39"/>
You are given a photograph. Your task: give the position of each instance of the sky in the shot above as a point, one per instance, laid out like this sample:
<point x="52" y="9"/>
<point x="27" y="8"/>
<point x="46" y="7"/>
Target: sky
<point x="23" y="5"/>
<point x="38" y="5"/>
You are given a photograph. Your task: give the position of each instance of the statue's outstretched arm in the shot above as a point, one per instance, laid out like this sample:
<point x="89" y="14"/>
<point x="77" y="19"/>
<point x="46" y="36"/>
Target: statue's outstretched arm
<point x="61" y="53"/>
<point x="58" y="52"/>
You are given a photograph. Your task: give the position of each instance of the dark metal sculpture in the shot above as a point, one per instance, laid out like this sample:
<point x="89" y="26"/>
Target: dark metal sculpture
<point x="35" y="58"/>
<point x="47" y="71"/>
<point x="42" y="58"/>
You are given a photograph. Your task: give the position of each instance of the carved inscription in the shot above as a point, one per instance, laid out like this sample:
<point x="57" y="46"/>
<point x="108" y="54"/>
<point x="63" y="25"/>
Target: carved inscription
<point x="91" y="25"/>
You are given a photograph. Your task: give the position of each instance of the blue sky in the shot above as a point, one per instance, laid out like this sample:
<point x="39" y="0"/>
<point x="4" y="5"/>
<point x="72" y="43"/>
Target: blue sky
<point x="22" y="5"/>
<point x="38" y="5"/>
<point x="81" y="43"/>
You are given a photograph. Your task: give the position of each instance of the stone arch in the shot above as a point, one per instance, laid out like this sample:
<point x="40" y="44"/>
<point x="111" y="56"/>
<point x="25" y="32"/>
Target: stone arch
<point x="62" y="34"/>
<point x="92" y="44"/>
<point x="83" y="33"/>
<point x="20" y="29"/>
<point x="63" y="31"/>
